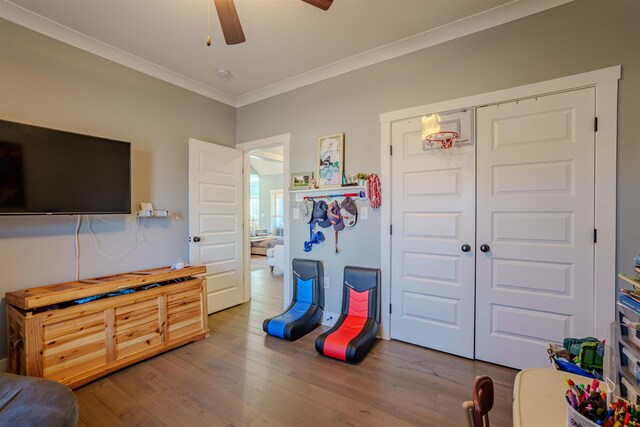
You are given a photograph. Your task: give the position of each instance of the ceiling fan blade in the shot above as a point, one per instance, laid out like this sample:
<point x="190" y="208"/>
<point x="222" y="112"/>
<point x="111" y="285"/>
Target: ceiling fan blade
<point x="322" y="4"/>
<point x="229" y="21"/>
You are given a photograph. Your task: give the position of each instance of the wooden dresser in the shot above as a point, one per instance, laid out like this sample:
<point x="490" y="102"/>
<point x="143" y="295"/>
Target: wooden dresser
<point x="51" y="336"/>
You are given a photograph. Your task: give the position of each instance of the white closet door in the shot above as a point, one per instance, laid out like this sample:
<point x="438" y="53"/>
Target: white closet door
<point x="433" y="215"/>
<point x="536" y="213"/>
<point x="215" y="220"/>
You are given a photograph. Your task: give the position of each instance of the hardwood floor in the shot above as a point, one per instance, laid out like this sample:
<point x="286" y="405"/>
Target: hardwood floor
<point x="259" y="262"/>
<point x="240" y="377"/>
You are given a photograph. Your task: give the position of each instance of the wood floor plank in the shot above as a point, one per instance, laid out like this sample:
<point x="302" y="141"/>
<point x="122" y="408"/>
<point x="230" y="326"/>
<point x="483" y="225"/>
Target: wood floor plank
<point x="289" y="391"/>
<point x="211" y="396"/>
<point x="138" y="381"/>
<point x="178" y="409"/>
<point x="93" y="412"/>
<point x="239" y="376"/>
<point x="121" y="404"/>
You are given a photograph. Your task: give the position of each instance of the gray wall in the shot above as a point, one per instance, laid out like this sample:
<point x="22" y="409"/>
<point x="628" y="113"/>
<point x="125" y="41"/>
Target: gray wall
<point x="577" y="37"/>
<point x="47" y="83"/>
<point x="268" y="183"/>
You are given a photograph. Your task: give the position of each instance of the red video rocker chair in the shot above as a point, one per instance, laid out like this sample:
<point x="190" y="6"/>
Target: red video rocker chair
<point x="353" y="334"/>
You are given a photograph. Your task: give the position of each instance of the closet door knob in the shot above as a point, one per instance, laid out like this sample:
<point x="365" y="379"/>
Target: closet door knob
<point x="196" y="239"/>
<point x="485" y="248"/>
<point x="465" y="248"/>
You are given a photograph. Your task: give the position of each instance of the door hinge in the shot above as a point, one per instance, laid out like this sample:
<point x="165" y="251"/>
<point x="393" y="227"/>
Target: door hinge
<point x="390" y="229"/>
<point x="595" y="124"/>
<point x="595" y="235"/>
<point x="391" y="150"/>
<point x="390" y="309"/>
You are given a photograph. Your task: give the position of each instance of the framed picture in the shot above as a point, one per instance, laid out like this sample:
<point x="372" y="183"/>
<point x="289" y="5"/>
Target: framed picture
<point x="301" y="180"/>
<point x="330" y="160"/>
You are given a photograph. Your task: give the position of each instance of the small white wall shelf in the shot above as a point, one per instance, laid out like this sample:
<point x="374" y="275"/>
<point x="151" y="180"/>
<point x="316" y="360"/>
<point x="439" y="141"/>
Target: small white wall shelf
<point x="155" y="213"/>
<point x="320" y="193"/>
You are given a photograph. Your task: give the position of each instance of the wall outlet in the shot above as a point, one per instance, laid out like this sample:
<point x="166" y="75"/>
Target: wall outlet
<point x="296" y="213"/>
<point x="364" y="212"/>
<point x="326" y="282"/>
<point x="329" y="318"/>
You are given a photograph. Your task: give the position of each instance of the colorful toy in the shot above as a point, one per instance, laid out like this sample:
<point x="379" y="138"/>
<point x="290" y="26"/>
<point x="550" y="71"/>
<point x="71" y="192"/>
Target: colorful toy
<point x="599" y="407"/>
<point x="314" y="239"/>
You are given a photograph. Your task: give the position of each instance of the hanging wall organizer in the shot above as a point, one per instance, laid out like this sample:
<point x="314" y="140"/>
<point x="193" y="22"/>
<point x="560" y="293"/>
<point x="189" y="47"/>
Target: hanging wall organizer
<point x="357" y="192"/>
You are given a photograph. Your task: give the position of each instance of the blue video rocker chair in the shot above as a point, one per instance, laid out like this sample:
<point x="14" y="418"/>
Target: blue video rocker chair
<point x="305" y="310"/>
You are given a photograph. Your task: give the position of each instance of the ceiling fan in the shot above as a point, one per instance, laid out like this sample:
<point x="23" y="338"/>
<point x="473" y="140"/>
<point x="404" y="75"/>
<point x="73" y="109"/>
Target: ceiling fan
<point x="230" y="22"/>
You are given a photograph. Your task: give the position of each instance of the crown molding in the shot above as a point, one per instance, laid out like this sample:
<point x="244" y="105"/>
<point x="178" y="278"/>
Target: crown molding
<point x="40" y="24"/>
<point x="499" y="15"/>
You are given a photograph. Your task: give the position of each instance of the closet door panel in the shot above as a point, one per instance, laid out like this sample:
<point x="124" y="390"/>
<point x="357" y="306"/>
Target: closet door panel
<point x="433" y="215"/>
<point x="535" y="211"/>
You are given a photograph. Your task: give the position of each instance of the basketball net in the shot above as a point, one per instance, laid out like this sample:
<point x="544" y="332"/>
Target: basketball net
<point x="434" y="139"/>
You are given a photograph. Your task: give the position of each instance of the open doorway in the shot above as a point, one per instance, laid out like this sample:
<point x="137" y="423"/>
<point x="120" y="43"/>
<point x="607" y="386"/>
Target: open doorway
<point x="266" y="227"/>
<point x="266" y="209"/>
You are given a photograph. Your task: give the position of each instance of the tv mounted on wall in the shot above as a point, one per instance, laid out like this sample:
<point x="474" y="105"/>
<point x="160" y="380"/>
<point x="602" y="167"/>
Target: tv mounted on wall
<point x="52" y="172"/>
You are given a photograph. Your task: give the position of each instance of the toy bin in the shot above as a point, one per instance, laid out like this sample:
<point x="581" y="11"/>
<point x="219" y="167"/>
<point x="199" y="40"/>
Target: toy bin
<point x="630" y="363"/>
<point x="76" y="332"/>
<point x="628" y="392"/>
<point x="628" y="331"/>
<point x="575" y="419"/>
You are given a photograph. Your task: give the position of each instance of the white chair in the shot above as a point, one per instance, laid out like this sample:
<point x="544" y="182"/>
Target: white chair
<point x="275" y="257"/>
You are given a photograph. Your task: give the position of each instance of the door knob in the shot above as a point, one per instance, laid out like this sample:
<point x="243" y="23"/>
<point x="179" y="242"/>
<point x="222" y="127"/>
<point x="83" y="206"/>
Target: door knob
<point x="485" y="248"/>
<point x="196" y="239"/>
<point x="465" y="248"/>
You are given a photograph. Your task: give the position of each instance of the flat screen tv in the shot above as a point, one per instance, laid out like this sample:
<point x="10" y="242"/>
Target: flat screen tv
<point x="52" y="172"/>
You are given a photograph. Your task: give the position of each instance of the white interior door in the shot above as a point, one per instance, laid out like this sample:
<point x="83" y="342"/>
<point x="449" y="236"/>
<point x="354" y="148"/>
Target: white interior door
<point x="215" y="220"/>
<point x="433" y="215"/>
<point x="536" y="214"/>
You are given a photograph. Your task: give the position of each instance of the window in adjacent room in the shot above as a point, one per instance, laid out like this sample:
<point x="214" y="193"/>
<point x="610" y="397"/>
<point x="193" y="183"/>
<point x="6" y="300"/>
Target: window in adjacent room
<point x="277" y="212"/>
<point x="254" y="202"/>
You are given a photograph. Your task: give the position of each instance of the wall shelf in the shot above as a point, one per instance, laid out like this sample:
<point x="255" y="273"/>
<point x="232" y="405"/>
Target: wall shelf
<point x="627" y="348"/>
<point x="632" y="280"/>
<point x="334" y="192"/>
<point x="153" y="214"/>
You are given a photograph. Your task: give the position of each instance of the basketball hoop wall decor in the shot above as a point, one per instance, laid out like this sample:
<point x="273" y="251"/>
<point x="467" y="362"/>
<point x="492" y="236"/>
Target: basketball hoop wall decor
<point x="447" y="130"/>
